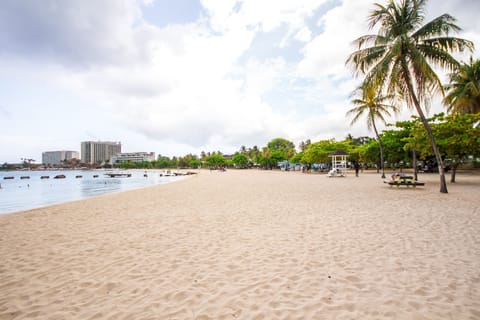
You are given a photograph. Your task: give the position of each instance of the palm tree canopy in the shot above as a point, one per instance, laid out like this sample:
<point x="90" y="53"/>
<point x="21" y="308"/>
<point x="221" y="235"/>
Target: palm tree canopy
<point x="371" y="104"/>
<point x="400" y="57"/>
<point x="463" y="91"/>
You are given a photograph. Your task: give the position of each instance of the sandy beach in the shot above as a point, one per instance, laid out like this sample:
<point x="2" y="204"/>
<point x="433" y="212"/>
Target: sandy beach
<point x="249" y="245"/>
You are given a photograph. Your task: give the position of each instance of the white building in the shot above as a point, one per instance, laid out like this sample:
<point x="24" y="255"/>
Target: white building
<point x="97" y="152"/>
<point x="132" y="157"/>
<point x="55" y="158"/>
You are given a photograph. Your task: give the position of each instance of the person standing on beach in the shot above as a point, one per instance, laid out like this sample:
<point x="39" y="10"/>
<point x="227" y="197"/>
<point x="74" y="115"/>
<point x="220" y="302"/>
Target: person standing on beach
<point x="357" y="168"/>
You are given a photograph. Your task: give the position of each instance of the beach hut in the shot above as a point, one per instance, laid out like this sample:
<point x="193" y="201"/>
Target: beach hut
<point x="339" y="164"/>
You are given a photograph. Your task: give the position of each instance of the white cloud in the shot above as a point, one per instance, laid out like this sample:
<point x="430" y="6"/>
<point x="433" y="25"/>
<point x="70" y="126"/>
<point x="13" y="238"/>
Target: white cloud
<point x="263" y="16"/>
<point x="328" y="51"/>
<point x="78" y="33"/>
<point x="304" y="34"/>
<point x="99" y="71"/>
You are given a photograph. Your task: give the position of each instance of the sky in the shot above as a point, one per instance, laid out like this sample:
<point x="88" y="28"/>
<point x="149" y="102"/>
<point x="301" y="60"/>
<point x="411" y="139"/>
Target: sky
<point x="184" y="76"/>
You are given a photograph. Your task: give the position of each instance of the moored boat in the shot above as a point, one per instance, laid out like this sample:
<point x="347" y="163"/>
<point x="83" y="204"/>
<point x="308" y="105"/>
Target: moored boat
<point x="118" y="175"/>
<point x="168" y="173"/>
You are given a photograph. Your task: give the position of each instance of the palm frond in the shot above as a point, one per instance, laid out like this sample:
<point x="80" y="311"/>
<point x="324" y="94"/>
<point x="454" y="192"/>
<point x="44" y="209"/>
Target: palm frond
<point x="463" y="91"/>
<point x="377" y="14"/>
<point x="362" y="60"/>
<point x="372" y="103"/>
<point x="442" y="25"/>
<point x="450" y="44"/>
<point x="438" y="57"/>
<point x="365" y="40"/>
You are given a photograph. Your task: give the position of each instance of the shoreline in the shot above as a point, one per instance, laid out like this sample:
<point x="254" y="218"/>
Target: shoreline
<point x="249" y="245"/>
<point x="20" y="193"/>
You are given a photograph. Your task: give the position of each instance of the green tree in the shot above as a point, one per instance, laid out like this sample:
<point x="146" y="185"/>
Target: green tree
<point x="163" y="162"/>
<point x="303" y="145"/>
<point x="127" y="165"/>
<point x="270" y="158"/>
<point x="215" y="160"/>
<point x="318" y="152"/>
<point x="463" y="91"/>
<point x="410" y="141"/>
<point x="362" y="151"/>
<point x="394" y="146"/>
<point x="276" y="156"/>
<point x="194" y="163"/>
<point x="372" y="104"/>
<point x="265" y="158"/>
<point x="370" y="154"/>
<point x="240" y="160"/>
<point x="298" y="157"/>
<point x="253" y="154"/>
<point x="400" y="57"/>
<point x="284" y="147"/>
<point x="457" y="135"/>
<point x="188" y="161"/>
<point x="358" y="141"/>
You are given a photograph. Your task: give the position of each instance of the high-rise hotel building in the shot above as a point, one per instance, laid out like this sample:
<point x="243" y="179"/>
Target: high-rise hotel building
<point x="97" y="152"/>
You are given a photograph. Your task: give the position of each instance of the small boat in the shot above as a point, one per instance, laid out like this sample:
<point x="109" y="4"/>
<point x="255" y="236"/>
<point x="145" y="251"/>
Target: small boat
<point x="8" y="178"/>
<point x="45" y="177"/>
<point x="59" y="176"/>
<point x="24" y="177"/>
<point x="78" y="177"/>
<point x="167" y="173"/>
<point x="95" y="175"/>
<point x="118" y="175"/>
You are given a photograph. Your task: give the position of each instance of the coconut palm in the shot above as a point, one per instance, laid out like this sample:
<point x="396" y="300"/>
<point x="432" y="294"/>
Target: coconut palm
<point x="401" y="57"/>
<point x="463" y="91"/>
<point x="374" y="107"/>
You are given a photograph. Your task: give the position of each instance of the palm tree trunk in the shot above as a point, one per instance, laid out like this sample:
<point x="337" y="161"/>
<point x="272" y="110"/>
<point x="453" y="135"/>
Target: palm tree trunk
<point x="380" y="146"/>
<point x="441" y="171"/>
<point x="415" y="169"/>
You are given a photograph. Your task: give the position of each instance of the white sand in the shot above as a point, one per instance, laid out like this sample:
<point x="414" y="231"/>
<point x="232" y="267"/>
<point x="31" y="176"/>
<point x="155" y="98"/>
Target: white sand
<point x="249" y="245"/>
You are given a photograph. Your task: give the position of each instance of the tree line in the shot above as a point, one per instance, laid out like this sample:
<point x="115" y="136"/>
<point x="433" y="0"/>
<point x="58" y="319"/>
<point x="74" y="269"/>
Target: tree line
<point x="405" y="144"/>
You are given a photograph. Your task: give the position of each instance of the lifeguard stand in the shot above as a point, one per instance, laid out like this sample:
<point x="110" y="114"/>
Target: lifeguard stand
<point x="339" y="164"/>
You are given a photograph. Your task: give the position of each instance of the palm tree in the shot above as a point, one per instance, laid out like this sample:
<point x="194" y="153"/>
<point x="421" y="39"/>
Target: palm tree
<point x="266" y="155"/>
<point x="254" y="154"/>
<point x="399" y="59"/>
<point x="463" y="92"/>
<point x="375" y="107"/>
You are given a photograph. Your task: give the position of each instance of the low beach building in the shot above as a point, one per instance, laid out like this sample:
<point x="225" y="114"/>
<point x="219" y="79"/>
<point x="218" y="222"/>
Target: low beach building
<point x="132" y="157"/>
<point x="55" y="158"/>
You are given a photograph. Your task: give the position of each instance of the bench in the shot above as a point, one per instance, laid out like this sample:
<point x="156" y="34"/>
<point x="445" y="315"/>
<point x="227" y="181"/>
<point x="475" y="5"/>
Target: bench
<point x="405" y="181"/>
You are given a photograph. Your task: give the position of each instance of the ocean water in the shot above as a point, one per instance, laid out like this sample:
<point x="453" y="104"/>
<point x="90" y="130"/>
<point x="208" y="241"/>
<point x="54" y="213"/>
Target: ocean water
<point x="21" y="194"/>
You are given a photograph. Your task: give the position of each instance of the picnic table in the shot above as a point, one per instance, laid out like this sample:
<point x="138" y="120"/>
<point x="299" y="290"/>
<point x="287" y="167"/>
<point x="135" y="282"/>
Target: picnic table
<point x="406" y="181"/>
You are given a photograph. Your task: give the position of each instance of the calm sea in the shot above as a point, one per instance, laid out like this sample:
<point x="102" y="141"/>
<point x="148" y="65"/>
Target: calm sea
<point x="21" y="194"/>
